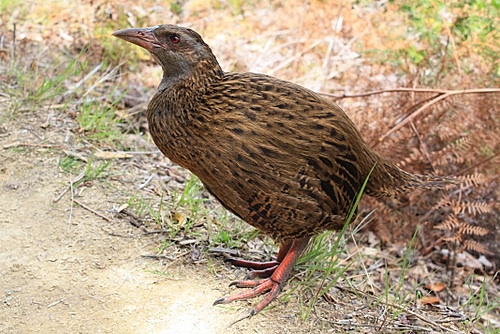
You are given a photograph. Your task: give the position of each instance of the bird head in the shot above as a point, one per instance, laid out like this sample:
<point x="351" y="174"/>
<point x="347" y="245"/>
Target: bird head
<point x="177" y="49"/>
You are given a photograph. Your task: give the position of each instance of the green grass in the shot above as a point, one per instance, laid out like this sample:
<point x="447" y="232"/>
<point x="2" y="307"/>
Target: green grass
<point x="93" y="170"/>
<point x="445" y="40"/>
<point x="35" y="87"/>
<point x="191" y="198"/>
<point x="396" y="293"/>
<point x="147" y="208"/>
<point x="7" y="6"/>
<point x="68" y="164"/>
<point x="187" y="207"/>
<point x="230" y="232"/>
<point x="98" y="121"/>
<point x="479" y="302"/>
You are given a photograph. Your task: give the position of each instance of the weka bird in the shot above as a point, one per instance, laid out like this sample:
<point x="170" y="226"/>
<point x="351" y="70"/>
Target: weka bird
<point x="281" y="157"/>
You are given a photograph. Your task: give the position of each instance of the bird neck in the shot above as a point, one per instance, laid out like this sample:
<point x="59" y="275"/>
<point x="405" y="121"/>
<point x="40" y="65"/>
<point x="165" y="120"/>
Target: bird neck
<point x="179" y="95"/>
<point x="193" y="80"/>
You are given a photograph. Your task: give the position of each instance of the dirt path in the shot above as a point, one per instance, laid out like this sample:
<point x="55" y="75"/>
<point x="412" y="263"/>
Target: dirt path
<point x="87" y="275"/>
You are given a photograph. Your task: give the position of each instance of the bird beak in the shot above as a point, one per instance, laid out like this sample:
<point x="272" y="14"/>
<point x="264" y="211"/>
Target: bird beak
<point x="144" y="37"/>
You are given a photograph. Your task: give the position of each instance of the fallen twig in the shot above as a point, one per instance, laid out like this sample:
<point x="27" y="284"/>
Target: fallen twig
<point x="93" y="211"/>
<point x="71" y="183"/>
<point x="146" y="182"/>
<point x="55" y="303"/>
<point x="17" y="144"/>
<point x="441" y="95"/>
<point x="414" y="90"/>
<point x="159" y="257"/>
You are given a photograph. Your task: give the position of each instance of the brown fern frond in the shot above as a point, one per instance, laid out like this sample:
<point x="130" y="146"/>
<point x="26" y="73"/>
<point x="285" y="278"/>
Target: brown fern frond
<point x="465" y="228"/>
<point x="446" y="133"/>
<point x="462" y="144"/>
<point x="456" y="238"/>
<point x="454" y="153"/>
<point x="475" y="246"/>
<point x="443" y="158"/>
<point x="434" y="100"/>
<point x="451" y="223"/>
<point x="472" y="208"/>
<point x="448" y="139"/>
<point x="472" y="180"/>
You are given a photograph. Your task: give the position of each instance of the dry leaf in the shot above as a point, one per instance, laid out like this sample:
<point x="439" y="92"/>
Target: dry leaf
<point x="428" y="300"/>
<point x="436" y="287"/>
<point x="179" y="218"/>
<point x="112" y="155"/>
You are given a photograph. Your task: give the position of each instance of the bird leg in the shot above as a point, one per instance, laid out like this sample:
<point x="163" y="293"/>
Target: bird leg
<point x="262" y="269"/>
<point x="279" y="272"/>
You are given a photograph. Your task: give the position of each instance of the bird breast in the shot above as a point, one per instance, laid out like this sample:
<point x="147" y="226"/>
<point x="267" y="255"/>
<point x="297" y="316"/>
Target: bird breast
<point x="276" y="154"/>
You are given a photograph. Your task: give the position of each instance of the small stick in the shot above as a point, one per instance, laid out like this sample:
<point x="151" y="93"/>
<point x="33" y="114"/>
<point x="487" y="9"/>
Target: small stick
<point x="416" y="90"/>
<point x="93" y="211"/>
<point x="147" y="181"/>
<point x="413" y="115"/>
<point x="433" y="101"/>
<point x="16" y="144"/>
<point x="71" y="183"/>
<point x="421" y="317"/>
<point x="55" y="303"/>
<point x="72" y="202"/>
<point x="158" y="257"/>
<point x="441" y="95"/>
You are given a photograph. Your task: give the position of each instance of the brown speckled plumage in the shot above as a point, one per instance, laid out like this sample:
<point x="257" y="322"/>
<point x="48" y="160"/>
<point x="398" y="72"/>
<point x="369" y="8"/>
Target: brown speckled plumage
<point x="281" y="157"/>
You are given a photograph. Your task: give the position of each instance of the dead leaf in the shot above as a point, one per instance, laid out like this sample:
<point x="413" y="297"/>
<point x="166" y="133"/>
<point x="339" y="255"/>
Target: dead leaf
<point x="436" y="287"/>
<point x="112" y="155"/>
<point x="179" y="219"/>
<point x="429" y="300"/>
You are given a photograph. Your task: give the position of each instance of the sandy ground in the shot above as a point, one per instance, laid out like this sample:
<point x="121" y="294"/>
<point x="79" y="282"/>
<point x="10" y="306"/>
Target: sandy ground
<point x="64" y="269"/>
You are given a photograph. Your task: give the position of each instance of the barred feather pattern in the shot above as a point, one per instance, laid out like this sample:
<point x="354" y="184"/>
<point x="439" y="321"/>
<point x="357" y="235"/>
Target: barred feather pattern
<point x="281" y="157"/>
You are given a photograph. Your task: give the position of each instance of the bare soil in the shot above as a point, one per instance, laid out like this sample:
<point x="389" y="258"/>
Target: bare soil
<point x="63" y="268"/>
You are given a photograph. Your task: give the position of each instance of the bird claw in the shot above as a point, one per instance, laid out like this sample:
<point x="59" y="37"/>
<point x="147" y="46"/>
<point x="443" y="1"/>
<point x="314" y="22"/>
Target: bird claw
<point x="275" y="275"/>
<point x="258" y="287"/>
<point x="246" y="283"/>
<point x="219" y="301"/>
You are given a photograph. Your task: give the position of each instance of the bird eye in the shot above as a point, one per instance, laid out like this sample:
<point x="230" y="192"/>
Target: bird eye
<point x="175" y="39"/>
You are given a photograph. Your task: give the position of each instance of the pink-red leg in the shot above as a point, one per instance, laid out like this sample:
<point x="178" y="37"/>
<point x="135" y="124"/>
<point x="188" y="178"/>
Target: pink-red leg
<point x="287" y="256"/>
<point x="262" y="269"/>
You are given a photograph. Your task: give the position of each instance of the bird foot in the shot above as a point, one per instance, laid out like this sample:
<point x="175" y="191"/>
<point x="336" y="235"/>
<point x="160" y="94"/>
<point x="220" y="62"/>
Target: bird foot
<point x="273" y="274"/>
<point x="258" y="287"/>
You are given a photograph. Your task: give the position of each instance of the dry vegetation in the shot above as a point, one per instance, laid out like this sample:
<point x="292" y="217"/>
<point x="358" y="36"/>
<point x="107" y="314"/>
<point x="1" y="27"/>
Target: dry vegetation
<point x="58" y="60"/>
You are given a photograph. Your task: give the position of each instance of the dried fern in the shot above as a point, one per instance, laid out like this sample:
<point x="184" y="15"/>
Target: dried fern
<point x="453" y="138"/>
<point x="472" y="180"/>
<point x="472" y="208"/>
<point x="475" y="246"/>
<point x="472" y="230"/>
<point x="451" y="223"/>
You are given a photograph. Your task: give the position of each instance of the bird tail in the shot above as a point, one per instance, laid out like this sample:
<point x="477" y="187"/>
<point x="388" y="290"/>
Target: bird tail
<point x="415" y="181"/>
<point x="388" y="180"/>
